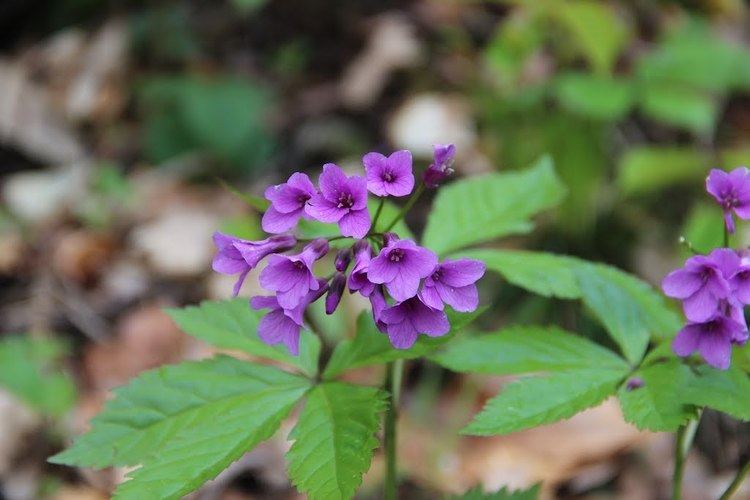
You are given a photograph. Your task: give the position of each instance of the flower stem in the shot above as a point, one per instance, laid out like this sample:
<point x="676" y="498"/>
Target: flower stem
<point x="377" y="213"/>
<point x="393" y="375"/>
<point x="726" y="237"/>
<point x="736" y="482"/>
<point x="406" y="207"/>
<point x="683" y="442"/>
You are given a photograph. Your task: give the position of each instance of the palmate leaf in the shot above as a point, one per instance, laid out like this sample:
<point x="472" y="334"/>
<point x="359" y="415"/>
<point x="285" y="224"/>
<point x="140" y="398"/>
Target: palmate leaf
<point x="630" y="310"/>
<point x="727" y="391"/>
<point x="371" y="347"/>
<point x="485" y="207"/>
<point x="335" y="439"/>
<point x="659" y="405"/>
<point x="533" y="401"/>
<point x="232" y="324"/>
<point x="526" y="349"/>
<point x="164" y="407"/>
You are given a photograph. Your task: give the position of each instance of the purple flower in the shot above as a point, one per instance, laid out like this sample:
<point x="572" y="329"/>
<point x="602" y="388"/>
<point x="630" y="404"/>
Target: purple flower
<point x="280" y="325"/>
<point x="712" y="338"/>
<point x="440" y="168"/>
<point x="400" y="266"/>
<point x="452" y="282"/>
<point x="378" y="305"/>
<point x="358" y="281"/>
<point x="732" y="191"/>
<point x="338" y="283"/>
<point x="341" y="199"/>
<point x="343" y="257"/>
<point x="389" y="176"/>
<point x="288" y="202"/>
<point x="739" y="281"/>
<point x="291" y="276"/>
<point x="701" y="284"/>
<point x="236" y="256"/>
<point x="406" y="320"/>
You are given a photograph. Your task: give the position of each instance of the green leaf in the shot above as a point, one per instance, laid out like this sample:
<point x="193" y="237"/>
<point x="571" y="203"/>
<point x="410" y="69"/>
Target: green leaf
<point x="526" y="349"/>
<point x="371" y="347"/>
<point x="542" y="273"/>
<point x="726" y="391"/>
<point x="688" y="108"/>
<point x="30" y="369"/>
<point x="257" y="202"/>
<point x="335" y="439"/>
<point x="597" y="30"/>
<point x="232" y="324"/>
<point x="659" y="404"/>
<point x="485" y="207"/>
<point x="504" y="493"/>
<point x="162" y="408"/>
<point x="601" y="98"/>
<point x="701" y="229"/>
<point x="649" y="169"/>
<point x="628" y="308"/>
<point x="533" y="401"/>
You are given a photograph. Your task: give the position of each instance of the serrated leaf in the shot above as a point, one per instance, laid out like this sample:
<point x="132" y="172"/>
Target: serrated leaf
<point x="602" y="98"/>
<point x="533" y="401"/>
<point x="504" y="493"/>
<point x="371" y="347"/>
<point x="30" y="369"/>
<point x="727" y="391"/>
<point x="542" y="273"/>
<point x="161" y="405"/>
<point x="485" y="207"/>
<point x="526" y="349"/>
<point x="335" y="439"/>
<point x="232" y="324"/>
<point x="628" y="308"/>
<point x="659" y="404"/>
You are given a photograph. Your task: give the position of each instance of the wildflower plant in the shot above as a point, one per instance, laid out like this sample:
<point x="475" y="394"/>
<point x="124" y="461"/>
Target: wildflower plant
<point x="182" y="425"/>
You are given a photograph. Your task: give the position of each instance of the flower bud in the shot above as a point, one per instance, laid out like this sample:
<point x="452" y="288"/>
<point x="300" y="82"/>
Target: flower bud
<point x="319" y="247"/>
<point x="389" y="239"/>
<point x="343" y="257"/>
<point x="335" y="291"/>
<point x="441" y="166"/>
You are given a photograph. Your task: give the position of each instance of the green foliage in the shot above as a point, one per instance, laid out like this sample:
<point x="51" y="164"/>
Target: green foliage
<point x="30" y="369"/>
<point x="542" y="273"/>
<point x="630" y="309"/>
<point x="688" y="108"/>
<point x="533" y="401"/>
<point x="485" y="207"/>
<point x="601" y="98"/>
<point x="477" y="493"/>
<point x="658" y="405"/>
<point x="526" y="349"/>
<point x="335" y="439"/>
<point x="726" y="391"/>
<point x="645" y="170"/>
<point x="371" y="347"/>
<point x="224" y="117"/>
<point x="701" y="229"/>
<point x="232" y="324"/>
<point x="165" y="406"/>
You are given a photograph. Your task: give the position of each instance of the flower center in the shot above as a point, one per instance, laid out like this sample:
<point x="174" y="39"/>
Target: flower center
<point x="730" y="199"/>
<point x="396" y="255"/>
<point x="346" y="200"/>
<point x="299" y="265"/>
<point x="302" y="198"/>
<point x="436" y="275"/>
<point x="388" y="176"/>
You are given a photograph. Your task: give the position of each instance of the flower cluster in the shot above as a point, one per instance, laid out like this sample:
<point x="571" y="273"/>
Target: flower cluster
<point x="405" y="283"/>
<point x="715" y="288"/>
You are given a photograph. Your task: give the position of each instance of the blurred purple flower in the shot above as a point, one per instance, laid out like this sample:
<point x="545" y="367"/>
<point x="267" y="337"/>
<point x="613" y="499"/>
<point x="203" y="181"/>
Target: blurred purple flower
<point x="288" y="202"/>
<point x="400" y="266"/>
<point x="390" y="175"/>
<point x="291" y="276"/>
<point x="406" y="320"/>
<point x="712" y="338"/>
<point x="701" y="283"/>
<point x="732" y="191"/>
<point x="452" y="283"/>
<point x="441" y="166"/>
<point x="237" y="256"/>
<point x="343" y="200"/>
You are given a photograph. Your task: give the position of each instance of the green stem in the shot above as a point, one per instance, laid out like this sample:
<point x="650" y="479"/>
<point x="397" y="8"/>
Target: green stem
<point x="393" y="375"/>
<point x="683" y="442"/>
<point x="406" y="207"/>
<point x="377" y="213"/>
<point x="736" y="482"/>
<point x="726" y="237"/>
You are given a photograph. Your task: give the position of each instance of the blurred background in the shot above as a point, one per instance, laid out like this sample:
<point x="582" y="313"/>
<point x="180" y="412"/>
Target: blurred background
<point x="126" y="126"/>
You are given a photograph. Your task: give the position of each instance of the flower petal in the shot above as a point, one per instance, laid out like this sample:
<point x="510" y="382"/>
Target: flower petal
<point x="355" y="224"/>
<point x="681" y="284"/>
<point x="276" y="222"/>
<point x="323" y="210"/>
<point x="687" y="340"/>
